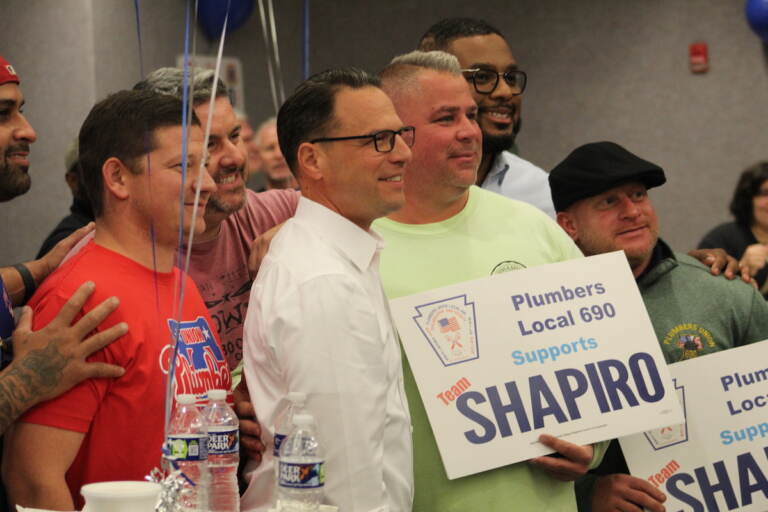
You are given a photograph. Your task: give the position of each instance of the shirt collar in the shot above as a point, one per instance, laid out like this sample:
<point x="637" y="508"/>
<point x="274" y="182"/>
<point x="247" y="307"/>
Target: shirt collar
<point x="359" y="246"/>
<point x="498" y="170"/>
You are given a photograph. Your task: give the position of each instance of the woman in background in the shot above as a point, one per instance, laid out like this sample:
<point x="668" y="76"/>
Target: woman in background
<point x="747" y="237"/>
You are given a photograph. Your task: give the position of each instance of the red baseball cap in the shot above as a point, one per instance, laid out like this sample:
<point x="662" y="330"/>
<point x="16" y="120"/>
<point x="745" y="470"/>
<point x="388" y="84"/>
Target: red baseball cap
<point x="7" y="73"/>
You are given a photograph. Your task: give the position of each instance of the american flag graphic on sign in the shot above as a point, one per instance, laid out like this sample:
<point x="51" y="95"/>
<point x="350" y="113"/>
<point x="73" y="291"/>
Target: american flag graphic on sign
<point x="448" y="324"/>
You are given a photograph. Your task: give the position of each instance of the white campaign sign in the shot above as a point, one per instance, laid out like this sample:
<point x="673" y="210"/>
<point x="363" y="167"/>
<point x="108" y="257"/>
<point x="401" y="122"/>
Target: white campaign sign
<point x="565" y="349"/>
<point x="718" y="458"/>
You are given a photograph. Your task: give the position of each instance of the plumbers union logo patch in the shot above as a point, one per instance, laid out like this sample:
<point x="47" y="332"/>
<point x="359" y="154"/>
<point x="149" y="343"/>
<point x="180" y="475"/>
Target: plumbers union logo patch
<point x="450" y="328"/>
<point x="688" y="341"/>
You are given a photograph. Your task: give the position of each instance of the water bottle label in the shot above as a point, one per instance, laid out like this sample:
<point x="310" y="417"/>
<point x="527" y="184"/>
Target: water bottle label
<point x="223" y="442"/>
<point x="188" y="448"/>
<point x="278" y="441"/>
<point x="310" y="475"/>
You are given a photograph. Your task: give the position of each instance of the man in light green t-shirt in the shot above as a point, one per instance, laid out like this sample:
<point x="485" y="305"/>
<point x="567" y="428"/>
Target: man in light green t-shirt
<point x="450" y="231"/>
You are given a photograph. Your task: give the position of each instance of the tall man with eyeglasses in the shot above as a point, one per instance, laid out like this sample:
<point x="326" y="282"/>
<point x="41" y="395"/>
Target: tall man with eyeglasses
<point x="318" y="320"/>
<point x="497" y="85"/>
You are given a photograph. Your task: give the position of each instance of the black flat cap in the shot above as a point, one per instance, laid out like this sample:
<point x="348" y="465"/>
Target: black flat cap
<point x="593" y="168"/>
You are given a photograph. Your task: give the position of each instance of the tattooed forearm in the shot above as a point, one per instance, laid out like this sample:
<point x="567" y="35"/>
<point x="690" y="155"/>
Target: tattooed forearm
<point x="28" y="380"/>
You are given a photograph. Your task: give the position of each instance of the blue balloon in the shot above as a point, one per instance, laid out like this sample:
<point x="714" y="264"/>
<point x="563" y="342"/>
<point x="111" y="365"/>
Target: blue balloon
<point x="757" y="16"/>
<point x="211" y="14"/>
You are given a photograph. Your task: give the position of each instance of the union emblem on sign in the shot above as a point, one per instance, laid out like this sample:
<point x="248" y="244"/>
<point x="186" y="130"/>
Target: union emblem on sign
<point x="450" y="328"/>
<point x="672" y="435"/>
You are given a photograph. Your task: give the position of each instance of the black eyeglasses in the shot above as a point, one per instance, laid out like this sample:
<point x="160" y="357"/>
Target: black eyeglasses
<point x="383" y="140"/>
<point x="485" y="80"/>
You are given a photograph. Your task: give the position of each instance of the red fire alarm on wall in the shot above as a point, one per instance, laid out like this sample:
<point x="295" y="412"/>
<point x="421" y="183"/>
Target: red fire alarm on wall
<point x="698" y="56"/>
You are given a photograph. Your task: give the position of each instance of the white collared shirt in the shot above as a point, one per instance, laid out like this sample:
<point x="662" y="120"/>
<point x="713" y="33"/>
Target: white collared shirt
<point x="318" y="322"/>
<point x="515" y="178"/>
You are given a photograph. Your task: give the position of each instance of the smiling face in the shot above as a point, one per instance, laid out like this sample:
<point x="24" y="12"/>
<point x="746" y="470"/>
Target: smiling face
<point x="499" y="111"/>
<point x="361" y="183"/>
<point x="447" y="151"/>
<point x="154" y="193"/>
<point x="226" y="156"/>
<point x="622" y="218"/>
<point x="16" y="136"/>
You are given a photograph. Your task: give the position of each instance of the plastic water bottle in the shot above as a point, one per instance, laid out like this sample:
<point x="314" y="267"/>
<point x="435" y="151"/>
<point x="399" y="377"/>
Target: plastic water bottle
<point x="188" y="445"/>
<point x="302" y="471"/>
<point x="284" y="424"/>
<point x="223" y="452"/>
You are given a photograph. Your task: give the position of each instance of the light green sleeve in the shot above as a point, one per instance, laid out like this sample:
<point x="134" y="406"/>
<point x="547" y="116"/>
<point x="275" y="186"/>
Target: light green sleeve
<point x="237" y="374"/>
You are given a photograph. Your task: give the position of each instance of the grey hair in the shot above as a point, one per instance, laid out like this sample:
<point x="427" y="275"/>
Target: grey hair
<point x="171" y="81"/>
<point x="401" y="74"/>
<point x="435" y="60"/>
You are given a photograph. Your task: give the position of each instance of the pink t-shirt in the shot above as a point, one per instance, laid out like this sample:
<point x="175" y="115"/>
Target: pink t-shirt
<point x="219" y="267"/>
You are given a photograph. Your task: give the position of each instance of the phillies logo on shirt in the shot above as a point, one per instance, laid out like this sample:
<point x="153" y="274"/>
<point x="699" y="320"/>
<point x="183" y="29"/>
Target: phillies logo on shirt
<point x="200" y="365"/>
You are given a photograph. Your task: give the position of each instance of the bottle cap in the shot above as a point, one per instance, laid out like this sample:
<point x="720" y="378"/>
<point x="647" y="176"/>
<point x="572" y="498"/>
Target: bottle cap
<point x="185" y="399"/>
<point x="303" y="420"/>
<point x="297" y="397"/>
<point x="217" y="394"/>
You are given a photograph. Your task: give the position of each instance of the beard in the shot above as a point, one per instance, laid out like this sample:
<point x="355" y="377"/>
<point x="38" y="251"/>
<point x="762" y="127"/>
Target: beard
<point x="14" y="179"/>
<point x="228" y="201"/>
<point x="494" y="144"/>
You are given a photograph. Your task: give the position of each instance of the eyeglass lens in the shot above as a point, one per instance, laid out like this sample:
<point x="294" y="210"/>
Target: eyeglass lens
<point x="385" y="139"/>
<point x="485" y="81"/>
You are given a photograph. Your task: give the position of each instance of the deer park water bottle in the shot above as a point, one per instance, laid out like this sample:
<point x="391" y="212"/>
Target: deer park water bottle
<point x="302" y="473"/>
<point x="188" y="445"/>
<point x="223" y="453"/>
<point x="284" y="423"/>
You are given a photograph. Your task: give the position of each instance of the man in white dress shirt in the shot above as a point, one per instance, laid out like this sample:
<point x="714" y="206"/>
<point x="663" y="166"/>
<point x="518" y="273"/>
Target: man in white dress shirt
<point x="318" y="320"/>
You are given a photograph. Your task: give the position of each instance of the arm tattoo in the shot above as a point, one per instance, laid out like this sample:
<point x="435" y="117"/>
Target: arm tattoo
<point x="24" y="382"/>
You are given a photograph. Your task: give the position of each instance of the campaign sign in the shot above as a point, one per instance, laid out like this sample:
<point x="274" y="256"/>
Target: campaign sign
<point x="717" y="459"/>
<point x="565" y="349"/>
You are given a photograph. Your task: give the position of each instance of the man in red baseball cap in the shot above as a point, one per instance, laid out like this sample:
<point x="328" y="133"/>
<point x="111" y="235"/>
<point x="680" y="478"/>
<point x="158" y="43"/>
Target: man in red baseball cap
<point x="49" y="361"/>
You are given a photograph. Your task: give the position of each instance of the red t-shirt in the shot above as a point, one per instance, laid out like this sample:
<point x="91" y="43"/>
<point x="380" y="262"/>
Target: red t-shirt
<point x="123" y="418"/>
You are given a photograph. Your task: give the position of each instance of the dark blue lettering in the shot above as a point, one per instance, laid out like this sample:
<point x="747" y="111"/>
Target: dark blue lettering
<point x="597" y="387"/>
<point x="674" y="490"/>
<point x="500" y="410"/>
<point x="539" y="390"/>
<point x="464" y="408"/>
<point x="653" y="373"/>
<point x="618" y="383"/>
<point x="570" y="394"/>
<point x="722" y="484"/>
<point x="749" y="468"/>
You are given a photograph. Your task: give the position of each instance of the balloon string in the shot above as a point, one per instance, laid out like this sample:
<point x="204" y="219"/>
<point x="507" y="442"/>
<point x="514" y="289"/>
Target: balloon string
<point x="306" y="40"/>
<point x="270" y="71"/>
<point x="276" y="52"/>
<point x="178" y="286"/>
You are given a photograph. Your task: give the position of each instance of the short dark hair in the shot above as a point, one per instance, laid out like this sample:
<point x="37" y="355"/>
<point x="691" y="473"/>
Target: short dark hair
<point x="746" y="189"/>
<point x="444" y="32"/>
<point x="308" y="113"/>
<point x="122" y="126"/>
<point x="171" y="81"/>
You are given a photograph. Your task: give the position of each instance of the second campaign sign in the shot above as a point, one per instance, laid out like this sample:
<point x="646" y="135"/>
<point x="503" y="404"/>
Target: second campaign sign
<point x="565" y="349"/>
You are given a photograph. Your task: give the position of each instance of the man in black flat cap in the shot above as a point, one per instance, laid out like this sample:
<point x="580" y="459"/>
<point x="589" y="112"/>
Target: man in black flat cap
<point x="600" y="192"/>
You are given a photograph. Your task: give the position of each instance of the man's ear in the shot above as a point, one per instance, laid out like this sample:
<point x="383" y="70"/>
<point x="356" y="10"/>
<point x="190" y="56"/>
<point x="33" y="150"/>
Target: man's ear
<point x="567" y="221"/>
<point x="115" y="175"/>
<point x="310" y="159"/>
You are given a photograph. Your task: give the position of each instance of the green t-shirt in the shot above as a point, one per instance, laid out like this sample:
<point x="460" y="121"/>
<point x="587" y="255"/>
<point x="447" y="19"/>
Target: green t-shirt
<point x="492" y="234"/>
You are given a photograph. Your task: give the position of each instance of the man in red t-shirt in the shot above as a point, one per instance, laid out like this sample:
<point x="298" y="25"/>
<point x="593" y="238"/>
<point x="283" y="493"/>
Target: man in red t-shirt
<point x="131" y="150"/>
